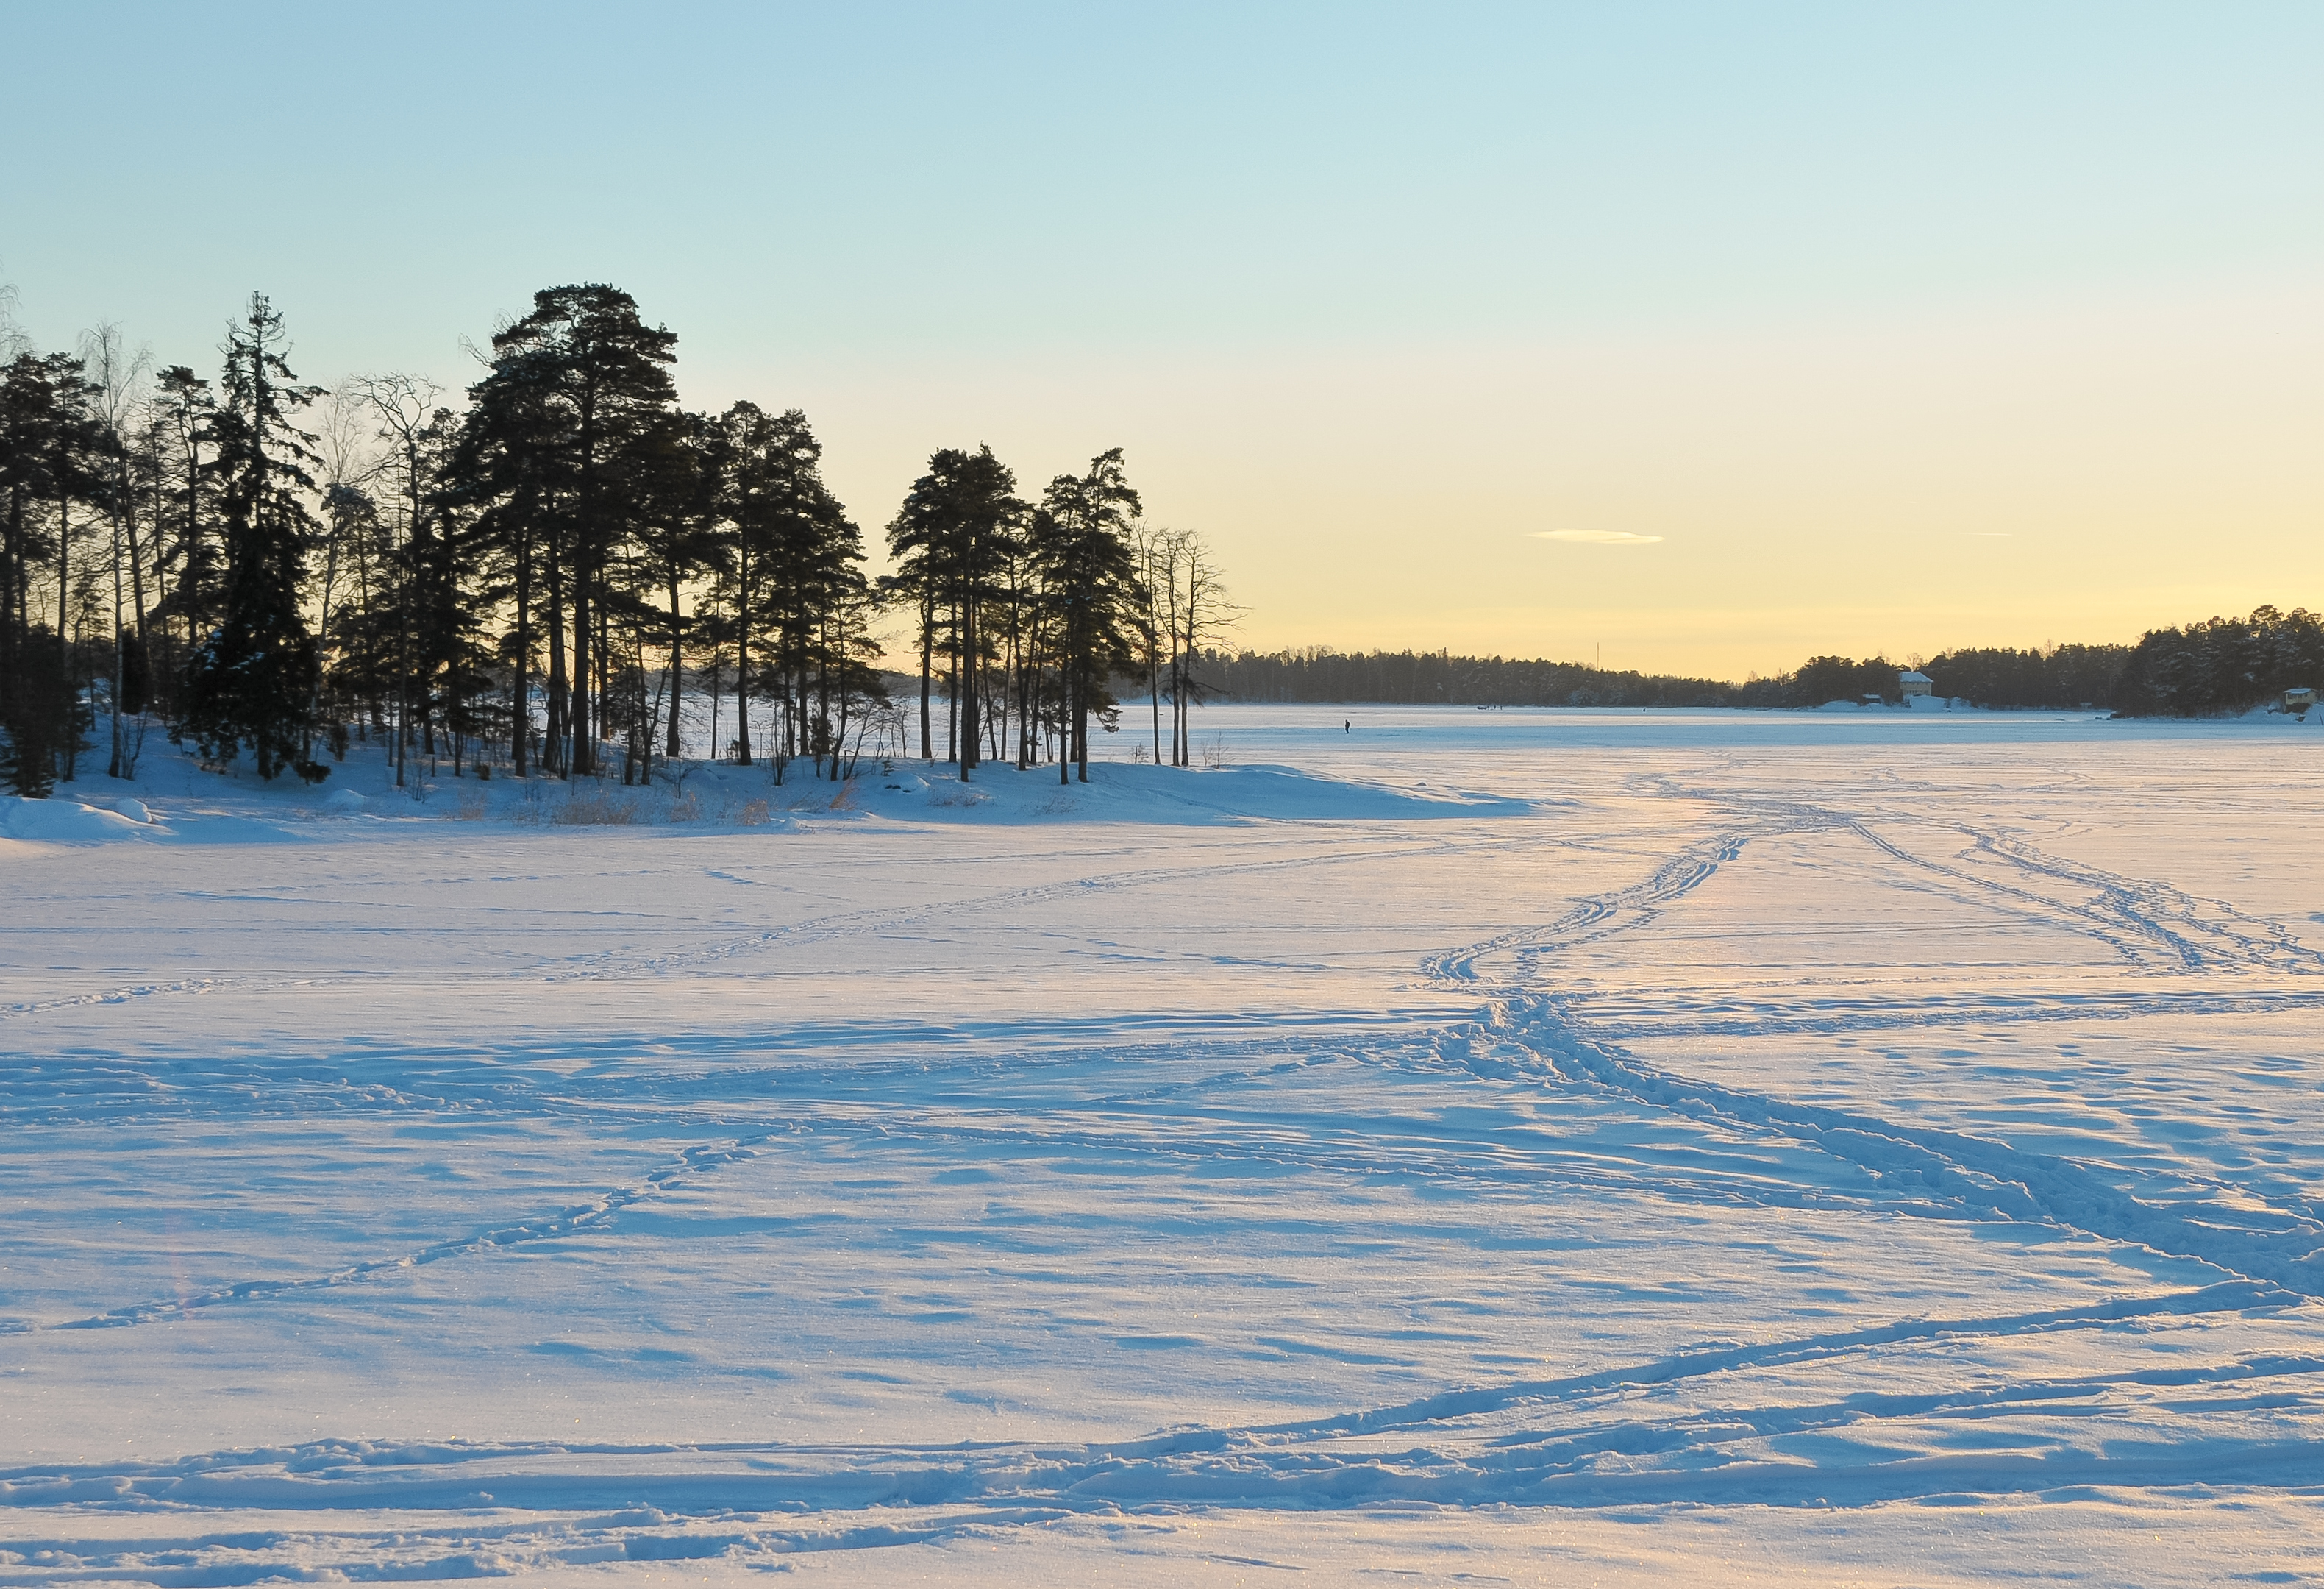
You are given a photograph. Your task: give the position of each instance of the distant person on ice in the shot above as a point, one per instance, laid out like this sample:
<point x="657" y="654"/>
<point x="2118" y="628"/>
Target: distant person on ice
<point x="1346" y="727"/>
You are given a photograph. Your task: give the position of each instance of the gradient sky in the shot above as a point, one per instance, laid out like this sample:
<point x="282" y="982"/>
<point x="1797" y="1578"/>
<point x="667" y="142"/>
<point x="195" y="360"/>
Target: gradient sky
<point x="1824" y="328"/>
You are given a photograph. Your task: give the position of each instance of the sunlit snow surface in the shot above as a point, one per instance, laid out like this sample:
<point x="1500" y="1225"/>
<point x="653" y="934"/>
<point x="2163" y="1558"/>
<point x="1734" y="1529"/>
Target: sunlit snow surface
<point x="1554" y="1145"/>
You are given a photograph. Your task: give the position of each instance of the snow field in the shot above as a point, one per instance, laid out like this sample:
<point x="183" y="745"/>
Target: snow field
<point x="1833" y="1148"/>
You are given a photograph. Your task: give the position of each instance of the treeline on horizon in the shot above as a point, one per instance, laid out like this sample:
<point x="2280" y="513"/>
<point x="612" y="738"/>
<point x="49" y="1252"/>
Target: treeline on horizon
<point x="2219" y="665"/>
<point x="530" y="574"/>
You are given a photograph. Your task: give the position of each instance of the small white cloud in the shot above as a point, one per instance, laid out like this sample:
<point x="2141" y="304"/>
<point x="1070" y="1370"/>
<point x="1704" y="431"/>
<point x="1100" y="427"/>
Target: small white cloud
<point x="1597" y="537"/>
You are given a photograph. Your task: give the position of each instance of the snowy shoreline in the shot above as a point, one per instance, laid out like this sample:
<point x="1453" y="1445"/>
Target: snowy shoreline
<point x="1293" y="763"/>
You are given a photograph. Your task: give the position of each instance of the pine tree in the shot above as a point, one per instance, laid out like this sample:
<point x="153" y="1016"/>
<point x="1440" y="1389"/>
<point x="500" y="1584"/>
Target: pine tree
<point x="52" y="475"/>
<point x="1081" y="543"/>
<point x="780" y="533"/>
<point x="956" y="534"/>
<point x="508" y="469"/>
<point x="815" y="576"/>
<point x="601" y="377"/>
<point x="676" y="482"/>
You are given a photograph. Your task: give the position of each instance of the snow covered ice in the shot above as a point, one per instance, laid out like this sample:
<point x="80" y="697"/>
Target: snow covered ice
<point x="1588" y="1146"/>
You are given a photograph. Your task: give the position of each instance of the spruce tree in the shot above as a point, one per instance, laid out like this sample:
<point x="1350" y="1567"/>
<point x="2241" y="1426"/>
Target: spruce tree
<point x="184" y="409"/>
<point x="252" y="677"/>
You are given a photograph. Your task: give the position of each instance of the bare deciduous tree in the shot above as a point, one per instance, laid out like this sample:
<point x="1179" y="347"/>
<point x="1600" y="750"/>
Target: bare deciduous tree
<point x="403" y="405"/>
<point x="1193" y="611"/>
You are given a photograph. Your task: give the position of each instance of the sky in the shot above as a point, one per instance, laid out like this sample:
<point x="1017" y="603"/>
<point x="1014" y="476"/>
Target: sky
<point x="1701" y="339"/>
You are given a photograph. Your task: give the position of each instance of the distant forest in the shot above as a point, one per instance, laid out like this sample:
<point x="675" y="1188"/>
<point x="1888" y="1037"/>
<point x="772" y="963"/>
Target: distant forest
<point x="2216" y="666"/>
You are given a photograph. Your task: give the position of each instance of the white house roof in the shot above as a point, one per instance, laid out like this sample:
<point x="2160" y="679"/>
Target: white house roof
<point x="1913" y="676"/>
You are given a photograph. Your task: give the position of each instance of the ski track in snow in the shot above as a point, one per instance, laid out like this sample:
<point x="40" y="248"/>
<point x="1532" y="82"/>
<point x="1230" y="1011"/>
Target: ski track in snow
<point x="118" y="996"/>
<point x="2205" y="1384"/>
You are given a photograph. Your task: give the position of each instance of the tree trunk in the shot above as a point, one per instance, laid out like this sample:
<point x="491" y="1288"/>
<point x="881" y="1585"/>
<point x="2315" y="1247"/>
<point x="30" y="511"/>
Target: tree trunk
<point x="520" y="701"/>
<point x="743" y="661"/>
<point x="68" y="747"/>
<point x="322" y="642"/>
<point x="189" y="582"/>
<point x="717" y="683"/>
<point x="1024" y="702"/>
<point x="560" y="694"/>
<point x="927" y="646"/>
<point x="112" y="769"/>
<point x="676" y="679"/>
<point x="580" y="763"/>
<point x="972" y="729"/>
<point x="137" y="595"/>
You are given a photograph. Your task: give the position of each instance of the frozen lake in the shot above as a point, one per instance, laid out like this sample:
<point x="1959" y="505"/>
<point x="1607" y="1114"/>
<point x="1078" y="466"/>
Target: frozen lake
<point x="1535" y="1145"/>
